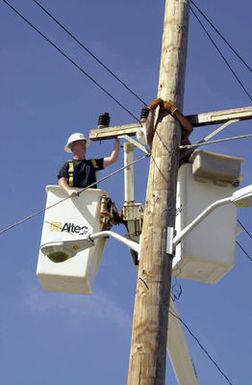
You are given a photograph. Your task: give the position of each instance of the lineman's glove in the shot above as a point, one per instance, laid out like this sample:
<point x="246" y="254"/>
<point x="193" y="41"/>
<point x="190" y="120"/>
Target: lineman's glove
<point x="72" y="193"/>
<point x="170" y="107"/>
<point x="155" y="103"/>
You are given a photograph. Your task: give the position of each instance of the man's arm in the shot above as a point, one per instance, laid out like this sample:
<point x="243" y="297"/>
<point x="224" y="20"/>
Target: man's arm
<point x="184" y="122"/>
<point x="63" y="177"/>
<point x="113" y="156"/>
<point x="63" y="183"/>
<point x="149" y="124"/>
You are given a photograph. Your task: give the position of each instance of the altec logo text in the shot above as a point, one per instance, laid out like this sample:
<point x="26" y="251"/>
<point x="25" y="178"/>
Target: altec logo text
<point x="68" y="227"/>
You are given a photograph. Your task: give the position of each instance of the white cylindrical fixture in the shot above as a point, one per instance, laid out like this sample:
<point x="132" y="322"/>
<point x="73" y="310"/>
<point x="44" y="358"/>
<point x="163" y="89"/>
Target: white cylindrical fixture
<point x="128" y="149"/>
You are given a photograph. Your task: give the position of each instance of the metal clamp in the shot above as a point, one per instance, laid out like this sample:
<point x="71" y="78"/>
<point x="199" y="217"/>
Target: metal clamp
<point x="169" y="240"/>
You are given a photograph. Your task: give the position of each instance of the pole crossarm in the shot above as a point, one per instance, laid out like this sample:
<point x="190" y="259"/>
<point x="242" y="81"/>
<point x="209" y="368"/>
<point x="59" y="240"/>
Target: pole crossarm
<point x="197" y="120"/>
<point x="113" y="132"/>
<point x="222" y="116"/>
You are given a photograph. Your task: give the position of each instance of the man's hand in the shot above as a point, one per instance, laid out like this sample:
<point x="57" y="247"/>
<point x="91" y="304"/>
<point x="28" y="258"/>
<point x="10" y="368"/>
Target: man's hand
<point x="155" y="103"/>
<point x="108" y="160"/>
<point x="170" y="107"/>
<point x="72" y="193"/>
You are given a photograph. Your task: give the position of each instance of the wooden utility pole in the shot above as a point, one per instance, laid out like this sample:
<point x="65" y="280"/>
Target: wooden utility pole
<point x="148" y="346"/>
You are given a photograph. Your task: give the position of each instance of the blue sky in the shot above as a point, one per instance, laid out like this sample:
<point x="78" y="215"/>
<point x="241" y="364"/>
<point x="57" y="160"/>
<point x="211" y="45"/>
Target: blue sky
<point x="55" y="338"/>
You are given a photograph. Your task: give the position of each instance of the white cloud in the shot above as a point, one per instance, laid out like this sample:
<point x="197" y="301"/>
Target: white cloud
<point x="97" y="305"/>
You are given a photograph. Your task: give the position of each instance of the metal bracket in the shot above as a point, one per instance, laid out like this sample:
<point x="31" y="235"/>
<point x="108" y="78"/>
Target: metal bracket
<point x="169" y="240"/>
<point x="219" y="129"/>
<point x="205" y="140"/>
<point x="135" y="142"/>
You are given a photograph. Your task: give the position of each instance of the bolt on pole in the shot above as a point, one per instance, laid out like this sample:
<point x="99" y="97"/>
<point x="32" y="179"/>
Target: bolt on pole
<point x="150" y="321"/>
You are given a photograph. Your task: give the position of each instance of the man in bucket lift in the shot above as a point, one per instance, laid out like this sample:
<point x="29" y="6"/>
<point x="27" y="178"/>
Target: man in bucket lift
<point x="81" y="172"/>
<point x="172" y="109"/>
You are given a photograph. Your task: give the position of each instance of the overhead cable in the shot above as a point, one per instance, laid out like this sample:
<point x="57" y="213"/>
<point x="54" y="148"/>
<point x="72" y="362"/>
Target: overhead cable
<point x="36" y="213"/>
<point x="244" y="251"/>
<point x="207" y="138"/>
<point x="70" y="60"/>
<point x="202" y="347"/>
<point x="88" y="51"/>
<point x="176" y="291"/>
<point x="221" y="54"/>
<point x="221" y="36"/>
<point x="188" y="146"/>
<point x="238" y="243"/>
<point x="244" y="228"/>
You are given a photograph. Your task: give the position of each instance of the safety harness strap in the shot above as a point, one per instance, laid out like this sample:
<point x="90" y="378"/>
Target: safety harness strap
<point x="94" y="163"/>
<point x="70" y="173"/>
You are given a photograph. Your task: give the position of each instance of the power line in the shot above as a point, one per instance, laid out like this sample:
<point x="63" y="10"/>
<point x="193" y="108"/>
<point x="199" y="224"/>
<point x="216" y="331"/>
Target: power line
<point x="245" y="252"/>
<point x="238" y="243"/>
<point x="221" y="36"/>
<point x="176" y="291"/>
<point x="88" y="51"/>
<point x="36" y="213"/>
<point x="202" y="347"/>
<point x="221" y="54"/>
<point x="71" y="61"/>
<point x="244" y="228"/>
<point x="195" y="145"/>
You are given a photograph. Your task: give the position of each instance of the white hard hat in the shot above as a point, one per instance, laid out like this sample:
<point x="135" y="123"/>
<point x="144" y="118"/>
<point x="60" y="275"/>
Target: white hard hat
<point x="74" y="138"/>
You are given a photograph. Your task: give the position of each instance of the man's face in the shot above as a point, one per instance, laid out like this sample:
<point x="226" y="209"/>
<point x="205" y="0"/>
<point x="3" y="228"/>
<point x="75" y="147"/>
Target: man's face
<point x="79" y="146"/>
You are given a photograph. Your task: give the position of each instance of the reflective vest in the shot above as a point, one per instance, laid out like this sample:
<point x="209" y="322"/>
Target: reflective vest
<point x="70" y="173"/>
<point x="71" y="170"/>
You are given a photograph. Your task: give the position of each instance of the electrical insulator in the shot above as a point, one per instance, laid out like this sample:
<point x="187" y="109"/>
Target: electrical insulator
<point x="103" y="120"/>
<point x="144" y="114"/>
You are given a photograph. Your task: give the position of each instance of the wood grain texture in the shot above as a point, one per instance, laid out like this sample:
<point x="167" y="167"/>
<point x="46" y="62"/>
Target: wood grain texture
<point x="149" y="334"/>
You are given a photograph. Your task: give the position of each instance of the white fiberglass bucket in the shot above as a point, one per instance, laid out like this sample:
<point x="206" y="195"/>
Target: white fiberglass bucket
<point x="68" y="220"/>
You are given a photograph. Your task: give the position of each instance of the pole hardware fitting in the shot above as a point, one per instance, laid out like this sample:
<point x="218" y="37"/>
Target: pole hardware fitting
<point x="103" y="120"/>
<point x="169" y="240"/>
<point x="135" y="143"/>
<point x="109" y="214"/>
<point x="133" y="212"/>
<point x="144" y="114"/>
<point x="133" y="218"/>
